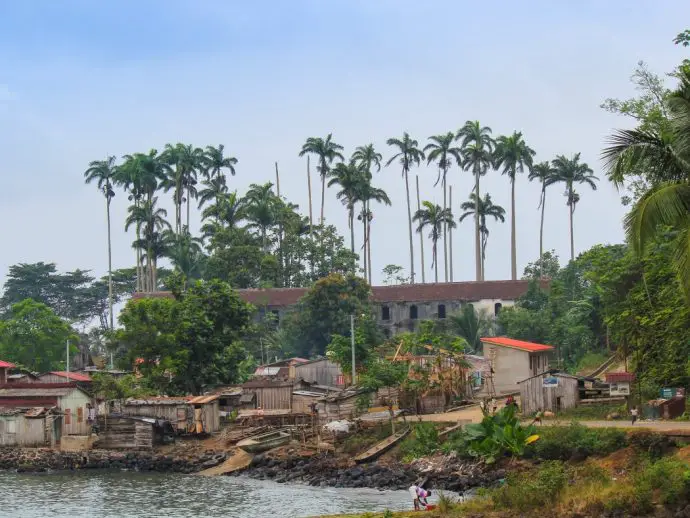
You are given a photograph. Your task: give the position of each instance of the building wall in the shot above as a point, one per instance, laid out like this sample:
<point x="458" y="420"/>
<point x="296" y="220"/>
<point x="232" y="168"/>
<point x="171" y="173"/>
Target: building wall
<point x="534" y="397"/>
<point x="273" y="398"/>
<point x="300" y="403"/>
<point x="17" y="430"/>
<point x="120" y="433"/>
<point x="75" y="405"/>
<point x="513" y="365"/>
<point x="323" y="372"/>
<point x="211" y="416"/>
<point x="176" y="414"/>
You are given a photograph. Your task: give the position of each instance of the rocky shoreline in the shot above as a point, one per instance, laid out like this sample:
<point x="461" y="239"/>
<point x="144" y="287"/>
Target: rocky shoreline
<point x="46" y="460"/>
<point x="441" y="472"/>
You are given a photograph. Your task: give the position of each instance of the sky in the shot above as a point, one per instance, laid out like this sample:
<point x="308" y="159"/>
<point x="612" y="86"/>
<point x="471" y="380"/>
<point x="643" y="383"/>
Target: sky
<point x="81" y="80"/>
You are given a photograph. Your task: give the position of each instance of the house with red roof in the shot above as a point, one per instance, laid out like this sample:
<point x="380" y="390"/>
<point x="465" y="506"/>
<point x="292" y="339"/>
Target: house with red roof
<point x="65" y="377"/>
<point x="515" y="360"/>
<point x="4" y="371"/>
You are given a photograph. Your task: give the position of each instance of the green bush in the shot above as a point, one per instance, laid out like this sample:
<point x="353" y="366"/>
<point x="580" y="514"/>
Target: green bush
<point x="667" y="478"/>
<point x="576" y="442"/>
<point x="654" y="444"/>
<point x="421" y="442"/>
<point x="526" y="491"/>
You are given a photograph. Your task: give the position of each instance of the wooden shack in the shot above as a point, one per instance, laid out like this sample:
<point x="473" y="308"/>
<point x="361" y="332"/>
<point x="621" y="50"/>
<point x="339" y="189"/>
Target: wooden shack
<point x="321" y="371"/>
<point x="270" y="394"/>
<point x="125" y="433"/>
<point x="554" y="392"/>
<point x="341" y="405"/>
<point x="198" y="414"/>
<point x="30" y="427"/>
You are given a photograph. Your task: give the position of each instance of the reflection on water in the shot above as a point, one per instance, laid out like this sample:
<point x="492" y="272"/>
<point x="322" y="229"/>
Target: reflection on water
<point x="138" y="495"/>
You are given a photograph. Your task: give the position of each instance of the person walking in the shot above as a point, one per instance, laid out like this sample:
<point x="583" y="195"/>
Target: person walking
<point x="633" y="415"/>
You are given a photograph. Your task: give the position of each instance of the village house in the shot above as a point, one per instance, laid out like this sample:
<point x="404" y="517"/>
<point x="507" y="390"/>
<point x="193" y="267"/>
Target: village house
<point x="131" y="433"/>
<point x="320" y="371"/>
<point x="399" y="308"/>
<point x="71" y="400"/>
<point x="513" y="361"/>
<point x="554" y="392"/>
<point x="22" y="377"/>
<point x="198" y="414"/>
<point x="30" y="427"/>
<point x="83" y="380"/>
<point x="5" y="371"/>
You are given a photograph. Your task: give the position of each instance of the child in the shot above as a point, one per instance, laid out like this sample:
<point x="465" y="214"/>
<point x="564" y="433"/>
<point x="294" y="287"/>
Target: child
<point x="633" y="414"/>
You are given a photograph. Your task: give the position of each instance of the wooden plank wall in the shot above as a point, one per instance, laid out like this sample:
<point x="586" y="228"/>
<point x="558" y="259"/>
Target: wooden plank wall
<point x="274" y="398"/>
<point x="118" y="433"/>
<point x="534" y="397"/>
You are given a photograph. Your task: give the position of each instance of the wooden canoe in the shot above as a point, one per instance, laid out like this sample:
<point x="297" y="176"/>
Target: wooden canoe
<point x="381" y="447"/>
<point x="265" y="441"/>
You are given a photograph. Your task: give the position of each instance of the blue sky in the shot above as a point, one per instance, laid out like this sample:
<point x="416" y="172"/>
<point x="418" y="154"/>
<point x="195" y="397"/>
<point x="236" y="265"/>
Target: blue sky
<point x="80" y="80"/>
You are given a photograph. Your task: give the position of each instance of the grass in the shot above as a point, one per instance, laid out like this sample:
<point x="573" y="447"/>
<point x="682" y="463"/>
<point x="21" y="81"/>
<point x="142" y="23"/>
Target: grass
<point x="589" y="362"/>
<point x="576" y="442"/>
<point x="592" y="412"/>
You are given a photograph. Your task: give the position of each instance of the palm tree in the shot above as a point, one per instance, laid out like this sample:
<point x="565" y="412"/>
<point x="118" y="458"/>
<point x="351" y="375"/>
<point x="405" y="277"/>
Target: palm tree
<point x="477" y="154"/>
<point x="435" y="217"/>
<point x="366" y="194"/>
<point x="367" y="158"/>
<point x="215" y="161"/>
<point x="513" y="154"/>
<point x="261" y="210"/>
<point x="546" y="175"/>
<point x="185" y="253"/>
<point x="151" y="220"/>
<point x="350" y="179"/>
<point x="570" y="172"/>
<point x="470" y="325"/>
<point x="664" y="156"/>
<point x="408" y="155"/>
<point x="187" y="161"/>
<point x="326" y="151"/>
<point x="442" y="151"/>
<point x="486" y="209"/>
<point x="104" y="172"/>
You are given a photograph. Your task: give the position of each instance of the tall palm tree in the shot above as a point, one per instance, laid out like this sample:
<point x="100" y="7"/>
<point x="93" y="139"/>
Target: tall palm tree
<point x="187" y="161"/>
<point x="104" y="173"/>
<point x="350" y="179"/>
<point x="408" y="155"/>
<point x="215" y="161"/>
<point x="366" y="194"/>
<point x="442" y="151"/>
<point x="185" y="253"/>
<point x="546" y="174"/>
<point x="477" y="154"/>
<point x="513" y="155"/>
<point x="664" y="156"/>
<point x="367" y="158"/>
<point x="326" y="151"/>
<point x="151" y="220"/>
<point x="436" y="217"/>
<point x="570" y="172"/>
<point x="486" y="209"/>
<point x="261" y="210"/>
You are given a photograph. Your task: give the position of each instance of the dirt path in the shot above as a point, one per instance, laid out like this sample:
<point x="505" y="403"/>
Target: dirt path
<point x="239" y="460"/>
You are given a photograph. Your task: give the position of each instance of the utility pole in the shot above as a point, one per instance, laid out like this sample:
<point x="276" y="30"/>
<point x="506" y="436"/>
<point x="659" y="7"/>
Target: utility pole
<point x="352" y="341"/>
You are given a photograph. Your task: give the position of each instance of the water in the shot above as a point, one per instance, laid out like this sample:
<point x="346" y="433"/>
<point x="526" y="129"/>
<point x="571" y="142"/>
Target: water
<point x="138" y="495"/>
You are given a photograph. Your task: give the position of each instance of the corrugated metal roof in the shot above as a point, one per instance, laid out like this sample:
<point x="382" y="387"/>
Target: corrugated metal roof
<point x="516" y="344"/>
<point x="616" y="377"/>
<point x="202" y="400"/>
<point x="7" y="365"/>
<point x="247" y="398"/>
<point x="266" y="371"/>
<point x="36" y="392"/>
<point x="75" y="376"/>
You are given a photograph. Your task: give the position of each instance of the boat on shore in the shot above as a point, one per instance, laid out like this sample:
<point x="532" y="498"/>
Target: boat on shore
<point x="381" y="447"/>
<point x="265" y="441"/>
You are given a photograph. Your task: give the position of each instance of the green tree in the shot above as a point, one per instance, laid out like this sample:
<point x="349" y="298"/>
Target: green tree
<point x="546" y="266"/>
<point x="442" y="151"/>
<point x="349" y="177"/>
<point x="103" y="172"/>
<point x="150" y="222"/>
<point x="35" y="337"/>
<point x="326" y="152"/>
<point x="486" y="209"/>
<point x="570" y="172"/>
<point x="261" y="210"/>
<point x="513" y="155"/>
<point x="546" y="175"/>
<point x="408" y="155"/>
<point x="436" y="218"/>
<point x="187" y="160"/>
<point x="477" y="154"/>
<point x="471" y="326"/>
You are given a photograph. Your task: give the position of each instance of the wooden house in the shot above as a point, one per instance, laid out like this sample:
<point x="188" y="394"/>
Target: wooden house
<point x="83" y="380"/>
<point x="30" y="427"/>
<point x="200" y="414"/>
<point x="514" y="360"/>
<point x="270" y="394"/>
<point x="321" y="371"/>
<point x="71" y="400"/>
<point x="130" y="433"/>
<point x="554" y="392"/>
<point x="341" y="405"/>
<point x="5" y="371"/>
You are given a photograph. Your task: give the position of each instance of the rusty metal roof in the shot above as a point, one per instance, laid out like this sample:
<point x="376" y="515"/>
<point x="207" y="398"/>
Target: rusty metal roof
<point x="8" y="391"/>
<point x="202" y="400"/>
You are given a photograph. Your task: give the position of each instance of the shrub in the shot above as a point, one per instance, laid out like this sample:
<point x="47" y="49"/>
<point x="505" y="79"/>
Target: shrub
<point x="526" y="491"/>
<point x="576" y="442"/>
<point x="667" y="478"/>
<point x="387" y="514"/>
<point x="421" y="442"/>
<point x="445" y="503"/>
<point x="654" y="444"/>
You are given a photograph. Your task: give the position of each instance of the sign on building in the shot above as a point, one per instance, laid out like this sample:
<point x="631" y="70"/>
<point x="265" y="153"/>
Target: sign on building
<point x="669" y="393"/>
<point x="621" y="388"/>
<point x="549" y="382"/>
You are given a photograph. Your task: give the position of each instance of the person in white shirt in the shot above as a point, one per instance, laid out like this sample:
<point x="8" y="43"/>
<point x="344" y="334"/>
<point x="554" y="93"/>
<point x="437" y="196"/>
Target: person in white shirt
<point x="419" y="496"/>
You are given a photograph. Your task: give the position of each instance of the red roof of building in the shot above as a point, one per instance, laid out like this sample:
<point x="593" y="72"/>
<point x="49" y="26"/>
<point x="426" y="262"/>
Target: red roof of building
<point x="431" y="292"/>
<point x="6" y="365"/>
<point x="72" y="376"/>
<point x="617" y="377"/>
<point x="516" y="344"/>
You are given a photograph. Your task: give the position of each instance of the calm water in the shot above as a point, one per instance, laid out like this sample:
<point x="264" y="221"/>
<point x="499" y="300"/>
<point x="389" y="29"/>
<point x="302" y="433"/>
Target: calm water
<point x="135" y="495"/>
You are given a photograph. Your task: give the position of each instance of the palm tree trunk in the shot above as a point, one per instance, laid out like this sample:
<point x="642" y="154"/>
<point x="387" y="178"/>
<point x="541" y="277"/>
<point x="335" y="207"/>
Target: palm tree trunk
<point x="572" y="239"/>
<point x="364" y="238"/>
<point x="323" y="191"/>
<point x="434" y="253"/>
<point x="369" y="242"/>
<point x="479" y="274"/>
<point x="110" y="263"/>
<point x="541" y="232"/>
<point x="409" y="224"/>
<point x="450" y="233"/>
<point x="513" y="244"/>
<point x="421" y="237"/>
<point x="351" y="216"/>
<point x="189" y="202"/>
<point x="311" y="217"/>
<point x="445" y="232"/>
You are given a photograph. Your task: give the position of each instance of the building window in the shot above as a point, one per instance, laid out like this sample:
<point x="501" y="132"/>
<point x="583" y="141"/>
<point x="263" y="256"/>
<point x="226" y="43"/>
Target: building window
<point x="497" y="308"/>
<point x="276" y="316"/>
<point x="385" y="313"/>
<point x="441" y="311"/>
<point x="413" y="312"/>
